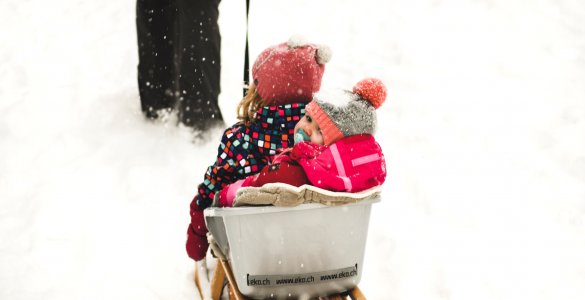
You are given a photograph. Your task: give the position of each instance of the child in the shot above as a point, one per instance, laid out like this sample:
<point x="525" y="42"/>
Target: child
<point x="285" y="77"/>
<point x="334" y="147"/>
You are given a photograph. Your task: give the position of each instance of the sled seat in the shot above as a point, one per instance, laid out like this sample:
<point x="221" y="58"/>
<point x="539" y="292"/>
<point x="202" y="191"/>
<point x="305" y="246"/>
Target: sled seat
<point x="303" y="252"/>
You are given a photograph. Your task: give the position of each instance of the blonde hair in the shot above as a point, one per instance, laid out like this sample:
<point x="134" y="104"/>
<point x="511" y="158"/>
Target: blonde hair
<point x="249" y="105"/>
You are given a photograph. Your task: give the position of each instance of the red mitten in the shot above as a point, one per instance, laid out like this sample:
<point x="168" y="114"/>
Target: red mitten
<point x="197" y="234"/>
<point x="227" y="195"/>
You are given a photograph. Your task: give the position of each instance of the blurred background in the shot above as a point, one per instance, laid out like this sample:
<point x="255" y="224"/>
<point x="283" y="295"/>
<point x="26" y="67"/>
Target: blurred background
<point x="483" y="132"/>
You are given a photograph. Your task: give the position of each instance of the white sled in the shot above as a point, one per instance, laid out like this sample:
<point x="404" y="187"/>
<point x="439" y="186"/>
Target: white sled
<point x="303" y="252"/>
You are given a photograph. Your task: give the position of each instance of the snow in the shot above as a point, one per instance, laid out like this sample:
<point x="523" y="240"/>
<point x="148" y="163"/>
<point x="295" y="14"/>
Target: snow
<point x="482" y="130"/>
<point x="336" y="96"/>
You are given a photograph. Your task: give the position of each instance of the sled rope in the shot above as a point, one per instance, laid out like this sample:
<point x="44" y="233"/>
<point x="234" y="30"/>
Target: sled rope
<point x="246" y="55"/>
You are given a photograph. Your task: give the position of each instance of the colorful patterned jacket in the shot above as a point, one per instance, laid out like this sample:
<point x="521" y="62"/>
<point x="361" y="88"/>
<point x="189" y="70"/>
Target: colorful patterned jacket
<point x="352" y="164"/>
<point x="244" y="151"/>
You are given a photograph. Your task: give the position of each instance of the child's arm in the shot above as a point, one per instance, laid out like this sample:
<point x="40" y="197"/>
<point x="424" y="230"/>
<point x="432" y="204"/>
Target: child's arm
<point x="281" y="169"/>
<point x="235" y="160"/>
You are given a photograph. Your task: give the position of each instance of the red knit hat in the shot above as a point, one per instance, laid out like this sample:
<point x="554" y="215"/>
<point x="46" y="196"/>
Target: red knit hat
<point x="344" y="113"/>
<point x="290" y="72"/>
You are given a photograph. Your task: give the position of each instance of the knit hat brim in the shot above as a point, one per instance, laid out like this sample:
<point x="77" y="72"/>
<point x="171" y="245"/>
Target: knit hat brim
<point x="329" y="130"/>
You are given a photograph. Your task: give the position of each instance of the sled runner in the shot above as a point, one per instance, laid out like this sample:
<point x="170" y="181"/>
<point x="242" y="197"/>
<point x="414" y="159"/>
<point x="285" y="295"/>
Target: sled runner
<point x="311" y="250"/>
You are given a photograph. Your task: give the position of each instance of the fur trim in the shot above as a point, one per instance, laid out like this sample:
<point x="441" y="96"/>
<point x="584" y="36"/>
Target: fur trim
<point x="282" y="194"/>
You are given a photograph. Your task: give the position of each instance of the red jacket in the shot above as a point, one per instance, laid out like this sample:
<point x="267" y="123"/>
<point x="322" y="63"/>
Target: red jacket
<point x="352" y="164"/>
<point x="244" y="150"/>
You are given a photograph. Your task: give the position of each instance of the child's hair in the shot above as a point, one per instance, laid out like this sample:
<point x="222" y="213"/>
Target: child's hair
<point x="249" y="105"/>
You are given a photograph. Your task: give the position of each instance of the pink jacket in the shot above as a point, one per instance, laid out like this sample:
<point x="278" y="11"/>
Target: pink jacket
<point x="352" y="164"/>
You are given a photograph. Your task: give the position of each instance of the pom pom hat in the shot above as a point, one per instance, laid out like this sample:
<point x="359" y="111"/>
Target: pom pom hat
<point x="357" y="115"/>
<point x="290" y="72"/>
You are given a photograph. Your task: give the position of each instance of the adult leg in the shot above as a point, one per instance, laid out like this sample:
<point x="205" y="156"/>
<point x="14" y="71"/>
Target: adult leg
<point x="156" y="80"/>
<point x="199" y="63"/>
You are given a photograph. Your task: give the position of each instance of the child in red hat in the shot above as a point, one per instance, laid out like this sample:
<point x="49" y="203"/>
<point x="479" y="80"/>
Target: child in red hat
<point x="334" y="146"/>
<point x="285" y="77"/>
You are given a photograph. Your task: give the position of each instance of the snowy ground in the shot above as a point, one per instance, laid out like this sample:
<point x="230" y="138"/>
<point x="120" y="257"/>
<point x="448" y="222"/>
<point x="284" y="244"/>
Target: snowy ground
<point x="483" y="132"/>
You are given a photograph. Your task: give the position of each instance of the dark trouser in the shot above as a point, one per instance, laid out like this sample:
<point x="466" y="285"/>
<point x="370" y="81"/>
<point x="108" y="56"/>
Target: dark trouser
<point x="179" y="59"/>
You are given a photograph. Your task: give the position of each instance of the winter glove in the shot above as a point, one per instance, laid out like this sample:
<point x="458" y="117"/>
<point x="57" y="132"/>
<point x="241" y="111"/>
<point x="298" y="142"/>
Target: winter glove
<point x="196" y="234"/>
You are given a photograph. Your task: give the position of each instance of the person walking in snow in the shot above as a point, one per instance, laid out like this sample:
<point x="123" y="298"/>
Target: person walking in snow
<point x="179" y="60"/>
<point x="334" y="146"/>
<point x="285" y="77"/>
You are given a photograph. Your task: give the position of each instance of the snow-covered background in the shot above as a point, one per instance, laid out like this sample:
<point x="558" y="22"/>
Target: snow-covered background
<point x="483" y="130"/>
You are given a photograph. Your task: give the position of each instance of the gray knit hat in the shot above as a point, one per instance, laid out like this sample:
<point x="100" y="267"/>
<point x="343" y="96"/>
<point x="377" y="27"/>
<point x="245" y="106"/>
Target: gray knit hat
<point x="345" y="113"/>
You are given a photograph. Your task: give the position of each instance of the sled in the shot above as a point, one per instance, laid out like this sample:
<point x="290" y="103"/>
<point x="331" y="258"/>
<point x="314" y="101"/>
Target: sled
<point x="310" y="251"/>
<point x="224" y="272"/>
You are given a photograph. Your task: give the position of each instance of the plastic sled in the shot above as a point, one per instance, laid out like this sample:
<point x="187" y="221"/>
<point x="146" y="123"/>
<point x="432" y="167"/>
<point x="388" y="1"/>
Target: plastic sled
<point x="310" y="251"/>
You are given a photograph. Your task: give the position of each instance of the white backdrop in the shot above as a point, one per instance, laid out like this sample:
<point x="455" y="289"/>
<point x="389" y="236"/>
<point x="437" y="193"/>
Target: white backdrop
<point x="483" y="132"/>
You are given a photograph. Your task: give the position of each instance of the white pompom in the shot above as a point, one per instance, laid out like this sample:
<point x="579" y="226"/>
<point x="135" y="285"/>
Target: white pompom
<point x="296" y="41"/>
<point x="323" y="54"/>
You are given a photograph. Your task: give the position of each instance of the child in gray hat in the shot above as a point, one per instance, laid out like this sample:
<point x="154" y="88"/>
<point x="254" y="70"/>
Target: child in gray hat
<point x="334" y="145"/>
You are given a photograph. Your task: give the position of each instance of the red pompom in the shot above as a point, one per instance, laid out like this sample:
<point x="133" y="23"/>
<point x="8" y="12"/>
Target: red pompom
<point x="371" y="89"/>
